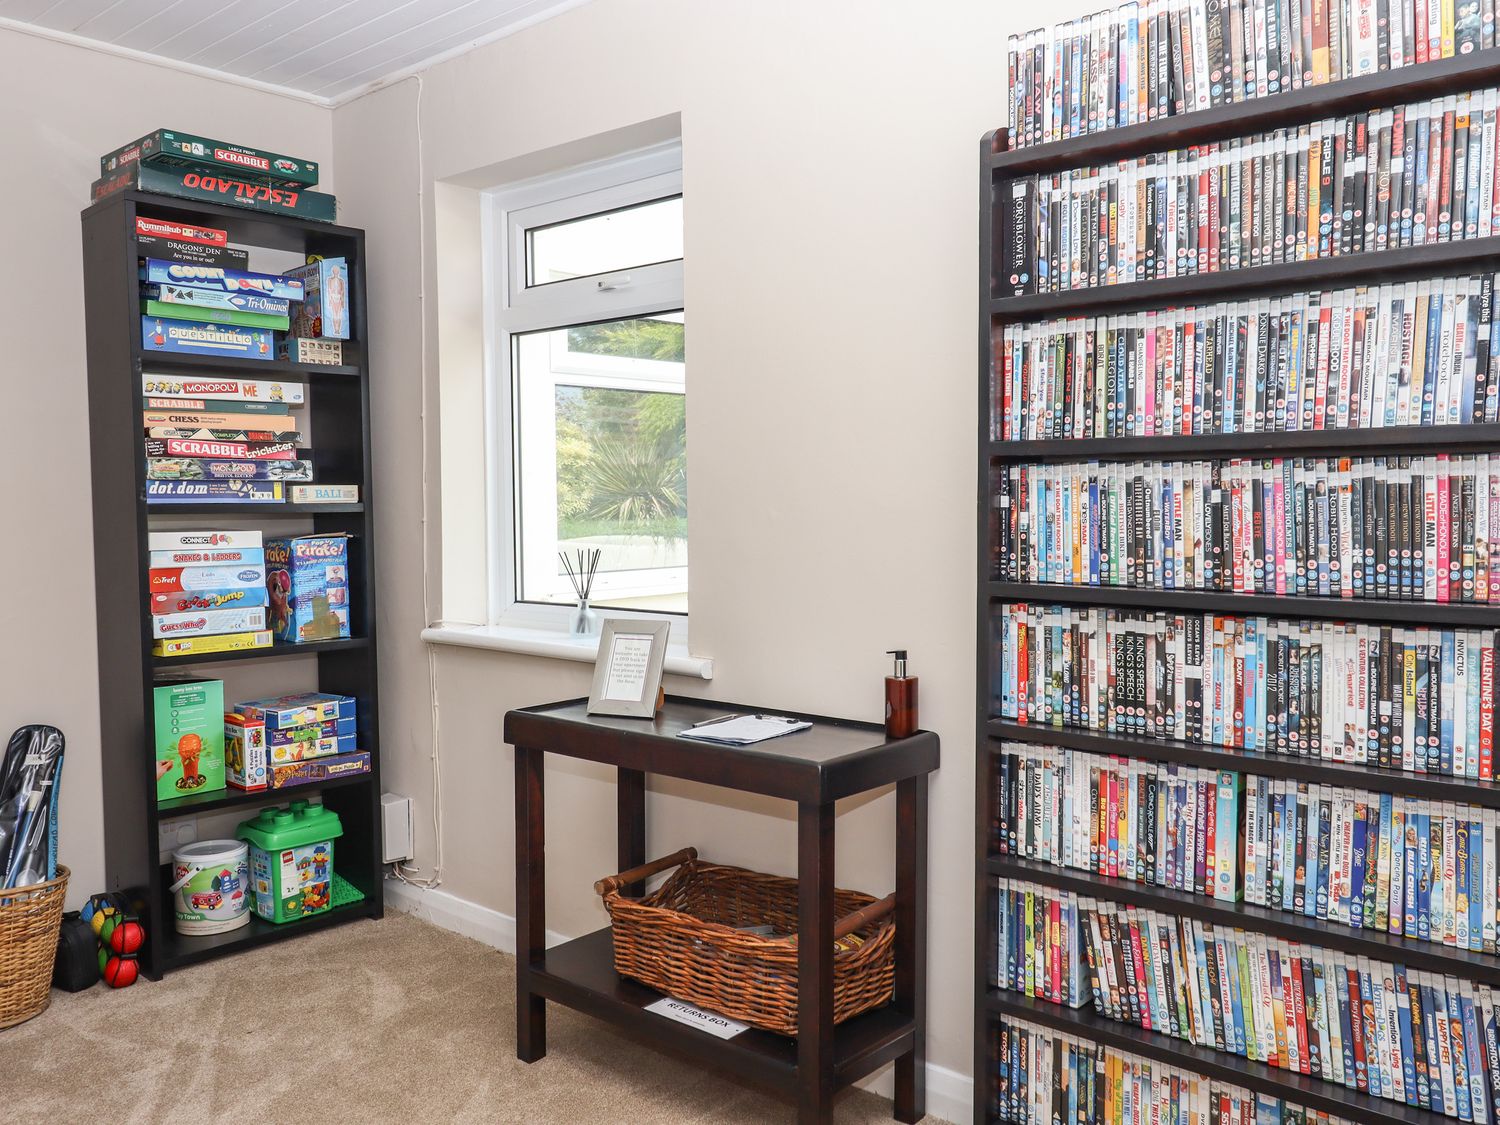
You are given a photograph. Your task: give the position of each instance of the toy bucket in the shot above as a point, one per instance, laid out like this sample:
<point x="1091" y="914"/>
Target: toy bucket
<point x="210" y="886"/>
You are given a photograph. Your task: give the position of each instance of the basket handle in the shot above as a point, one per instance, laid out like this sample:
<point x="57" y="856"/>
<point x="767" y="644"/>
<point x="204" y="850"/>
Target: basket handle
<point x="644" y="871"/>
<point x="863" y="917"/>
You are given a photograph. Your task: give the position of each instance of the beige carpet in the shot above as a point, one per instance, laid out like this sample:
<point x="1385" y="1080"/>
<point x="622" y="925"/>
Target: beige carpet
<point x="393" y="1020"/>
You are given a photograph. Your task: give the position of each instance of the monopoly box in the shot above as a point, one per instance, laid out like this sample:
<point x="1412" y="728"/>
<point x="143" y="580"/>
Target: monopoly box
<point x="324" y="311"/>
<point x="202" y="646"/>
<point x="299" y="709"/>
<point x="215" y="492"/>
<point x="188" y="337"/>
<point x="180" y="579"/>
<point x="194" y="601"/>
<point x="219" y="300"/>
<point x="173" y="149"/>
<point x="319" y="769"/>
<point x="158" y="272"/>
<point x="239" y="391"/>
<point x="203" y="623"/>
<point x="308" y="576"/>
<point x="200" y="468"/>
<point x="188" y="742"/>
<point x="232" y="191"/>
<point x="221" y="450"/>
<point x="245" y="762"/>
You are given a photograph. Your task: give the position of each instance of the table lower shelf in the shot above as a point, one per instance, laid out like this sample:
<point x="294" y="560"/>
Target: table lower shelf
<point x="581" y="975"/>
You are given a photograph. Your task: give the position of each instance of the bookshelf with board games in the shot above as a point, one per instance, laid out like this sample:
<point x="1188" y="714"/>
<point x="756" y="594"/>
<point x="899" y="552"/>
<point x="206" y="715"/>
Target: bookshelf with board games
<point x="1238" y="828"/>
<point x="137" y="463"/>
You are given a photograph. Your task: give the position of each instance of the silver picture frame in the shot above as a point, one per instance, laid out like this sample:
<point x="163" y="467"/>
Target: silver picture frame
<point x="628" y="669"/>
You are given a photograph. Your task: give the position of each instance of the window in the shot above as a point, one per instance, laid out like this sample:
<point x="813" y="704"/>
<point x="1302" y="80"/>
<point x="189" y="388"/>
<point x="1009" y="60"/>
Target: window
<point x="591" y="340"/>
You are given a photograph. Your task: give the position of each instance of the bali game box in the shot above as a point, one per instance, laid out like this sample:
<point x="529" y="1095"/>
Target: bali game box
<point x="308" y="576"/>
<point x="169" y="148"/>
<point x="225" y="188"/>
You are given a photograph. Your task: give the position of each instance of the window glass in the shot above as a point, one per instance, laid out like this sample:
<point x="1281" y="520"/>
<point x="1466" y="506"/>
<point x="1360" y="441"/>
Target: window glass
<point x="642" y="235"/>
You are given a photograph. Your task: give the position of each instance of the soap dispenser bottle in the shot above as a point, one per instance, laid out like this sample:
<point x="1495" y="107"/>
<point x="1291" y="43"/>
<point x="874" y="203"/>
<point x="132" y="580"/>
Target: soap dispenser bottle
<point x="900" y="699"/>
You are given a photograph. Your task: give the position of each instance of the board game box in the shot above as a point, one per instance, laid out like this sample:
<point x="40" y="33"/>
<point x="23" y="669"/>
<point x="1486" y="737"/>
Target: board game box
<point x="199" y="623"/>
<point x="221" y="450"/>
<point x="188" y="337"/>
<point x="245" y="764"/>
<point x="204" y="646"/>
<point x="304" y="749"/>
<point x="252" y="440"/>
<point x="211" y="237"/>
<point x="232" y="191"/>
<point x="200" y="468"/>
<point x="324" y="311"/>
<point x="217" y="406"/>
<point x="184" y="242"/>
<point x="311" y="732"/>
<point x="159" y="272"/>
<point x="173" y="149"/>
<point x="298" y="349"/>
<point x="238" y="391"/>
<point x="179" y="579"/>
<point x="206" y="556"/>
<point x="308" y="576"/>
<point x="219" y="299"/>
<point x="299" y="709"/>
<point x="325" y="494"/>
<point x="214" y="492"/>
<point x="319" y="770"/>
<point x="188" y="737"/>
<point x="199" y="540"/>
<point x="215" y="316"/>
<point x="195" y="601"/>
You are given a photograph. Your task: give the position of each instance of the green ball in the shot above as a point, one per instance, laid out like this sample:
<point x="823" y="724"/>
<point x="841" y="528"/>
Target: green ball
<point x="109" y="928"/>
<point x="103" y="959"/>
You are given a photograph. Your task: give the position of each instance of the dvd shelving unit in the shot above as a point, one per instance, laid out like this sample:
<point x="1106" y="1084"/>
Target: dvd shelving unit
<point x="338" y="412"/>
<point x="999" y="166"/>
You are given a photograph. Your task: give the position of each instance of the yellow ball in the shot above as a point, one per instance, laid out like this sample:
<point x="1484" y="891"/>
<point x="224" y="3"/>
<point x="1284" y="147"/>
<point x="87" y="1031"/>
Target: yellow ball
<point x="96" y="923"/>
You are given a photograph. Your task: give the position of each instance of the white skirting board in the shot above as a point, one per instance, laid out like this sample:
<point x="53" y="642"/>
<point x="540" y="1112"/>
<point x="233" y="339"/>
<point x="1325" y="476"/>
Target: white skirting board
<point x="950" y="1095"/>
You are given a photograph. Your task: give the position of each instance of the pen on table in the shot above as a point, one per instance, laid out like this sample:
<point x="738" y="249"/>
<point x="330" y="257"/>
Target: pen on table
<point x="711" y="722"/>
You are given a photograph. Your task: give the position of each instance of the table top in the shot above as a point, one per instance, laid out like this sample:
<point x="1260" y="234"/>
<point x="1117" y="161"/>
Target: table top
<point x="835" y="758"/>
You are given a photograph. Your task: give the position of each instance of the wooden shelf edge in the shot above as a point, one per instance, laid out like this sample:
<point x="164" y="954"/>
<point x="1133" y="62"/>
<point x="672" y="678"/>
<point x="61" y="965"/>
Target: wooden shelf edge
<point x="1248" y="916"/>
<point x="1368" y="610"/>
<point x="271" y="652"/>
<point x="1427" y="785"/>
<point x="1300" y="1089"/>
<point x="1362" y="442"/>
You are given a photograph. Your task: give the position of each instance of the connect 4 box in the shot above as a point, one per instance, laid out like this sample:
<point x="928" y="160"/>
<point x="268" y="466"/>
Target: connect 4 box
<point x="308" y="580"/>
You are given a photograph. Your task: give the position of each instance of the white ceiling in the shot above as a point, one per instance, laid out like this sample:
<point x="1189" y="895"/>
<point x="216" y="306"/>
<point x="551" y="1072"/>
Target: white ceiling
<point x="327" y="50"/>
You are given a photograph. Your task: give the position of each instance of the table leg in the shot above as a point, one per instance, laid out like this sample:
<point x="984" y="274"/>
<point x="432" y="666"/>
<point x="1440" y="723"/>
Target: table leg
<point x="814" y="964"/>
<point x="911" y="943"/>
<point x="630" y="820"/>
<point x="531" y="917"/>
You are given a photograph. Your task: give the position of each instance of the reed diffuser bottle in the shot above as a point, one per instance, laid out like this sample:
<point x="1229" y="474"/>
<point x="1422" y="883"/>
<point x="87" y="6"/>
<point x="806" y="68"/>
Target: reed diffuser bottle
<point x="581" y="570"/>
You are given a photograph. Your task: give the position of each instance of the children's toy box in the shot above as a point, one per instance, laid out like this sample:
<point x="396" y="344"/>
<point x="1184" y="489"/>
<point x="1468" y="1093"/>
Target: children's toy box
<point x="324" y="311"/>
<point x="188" y="743"/>
<point x="308" y="580"/>
<point x="285" y="711"/>
<point x="291" y="860"/>
<point x="245" y="764"/>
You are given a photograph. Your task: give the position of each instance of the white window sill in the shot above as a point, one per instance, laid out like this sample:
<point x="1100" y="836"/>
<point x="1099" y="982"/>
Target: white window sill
<point x="559" y="646"/>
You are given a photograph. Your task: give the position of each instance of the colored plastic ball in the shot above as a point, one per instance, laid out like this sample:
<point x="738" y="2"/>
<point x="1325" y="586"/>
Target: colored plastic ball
<point x="103" y="959"/>
<point x="127" y="937"/>
<point x="96" y="922"/>
<point x="107" y="931"/>
<point x="120" y="972"/>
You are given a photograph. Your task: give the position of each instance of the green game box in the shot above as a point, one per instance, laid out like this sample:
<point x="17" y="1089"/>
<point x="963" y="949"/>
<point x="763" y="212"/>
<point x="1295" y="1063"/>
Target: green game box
<point x="215" y="316"/>
<point x="170" y="148"/>
<point x="211" y="187"/>
<point x="189" y="738"/>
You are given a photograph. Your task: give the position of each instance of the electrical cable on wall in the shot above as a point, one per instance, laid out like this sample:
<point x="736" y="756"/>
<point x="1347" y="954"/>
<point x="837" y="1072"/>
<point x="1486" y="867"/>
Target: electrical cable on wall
<point x="407" y="873"/>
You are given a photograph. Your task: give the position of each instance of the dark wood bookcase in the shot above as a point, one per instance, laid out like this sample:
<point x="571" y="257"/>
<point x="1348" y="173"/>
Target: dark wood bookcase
<point x="999" y="165"/>
<point x="338" y="411"/>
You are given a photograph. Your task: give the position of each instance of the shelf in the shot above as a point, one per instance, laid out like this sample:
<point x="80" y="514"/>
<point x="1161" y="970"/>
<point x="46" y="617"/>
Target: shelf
<point x="1313" y="770"/>
<point x="1257" y="115"/>
<point x="179" y="950"/>
<point x="1455" y="614"/>
<point x="1373" y="267"/>
<point x="200" y="365"/>
<point x="581" y="974"/>
<point x="1349" y="443"/>
<point x="274" y="652"/>
<point x="1424" y="955"/>
<point x="198" y="804"/>
<point x="1304" y="1090"/>
<point x="245" y="225"/>
<point x="253" y="511"/>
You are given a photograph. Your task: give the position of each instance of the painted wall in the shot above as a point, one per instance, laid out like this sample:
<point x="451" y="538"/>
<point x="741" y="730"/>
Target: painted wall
<point x="65" y="106"/>
<point x="831" y="183"/>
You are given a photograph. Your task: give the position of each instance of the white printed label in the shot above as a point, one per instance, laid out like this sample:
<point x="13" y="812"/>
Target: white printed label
<point x="721" y="1026"/>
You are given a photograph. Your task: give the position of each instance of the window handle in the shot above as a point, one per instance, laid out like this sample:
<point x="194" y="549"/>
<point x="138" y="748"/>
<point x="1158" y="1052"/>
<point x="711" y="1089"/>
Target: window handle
<point x="605" y="284"/>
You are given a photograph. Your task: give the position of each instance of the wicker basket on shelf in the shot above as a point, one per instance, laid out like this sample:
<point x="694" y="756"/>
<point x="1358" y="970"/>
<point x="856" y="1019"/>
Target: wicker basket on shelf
<point x="30" y="918"/>
<point x="685" y="939"/>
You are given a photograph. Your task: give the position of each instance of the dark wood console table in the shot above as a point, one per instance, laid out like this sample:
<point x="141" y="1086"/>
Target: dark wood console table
<point x="834" y="759"/>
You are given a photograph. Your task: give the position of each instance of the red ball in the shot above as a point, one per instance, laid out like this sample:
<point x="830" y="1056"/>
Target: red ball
<point x="127" y="938"/>
<point x="121" y="972"/>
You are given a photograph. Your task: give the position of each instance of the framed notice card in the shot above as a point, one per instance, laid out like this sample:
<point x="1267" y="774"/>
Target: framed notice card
<point x="627" y="672"/>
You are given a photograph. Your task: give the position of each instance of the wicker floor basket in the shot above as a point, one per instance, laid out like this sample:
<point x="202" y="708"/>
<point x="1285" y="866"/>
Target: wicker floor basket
<point x="30" y="918"/>
<point x="683" y="940"/>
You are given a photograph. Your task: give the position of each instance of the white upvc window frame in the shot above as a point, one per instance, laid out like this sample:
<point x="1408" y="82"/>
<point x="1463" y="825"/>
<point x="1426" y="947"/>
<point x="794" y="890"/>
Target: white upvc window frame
<point x="514" y="309"/>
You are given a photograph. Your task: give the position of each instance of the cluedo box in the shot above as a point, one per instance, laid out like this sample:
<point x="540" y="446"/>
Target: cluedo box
<point x="188" y="742"/>
<point x="308" y="580"/>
